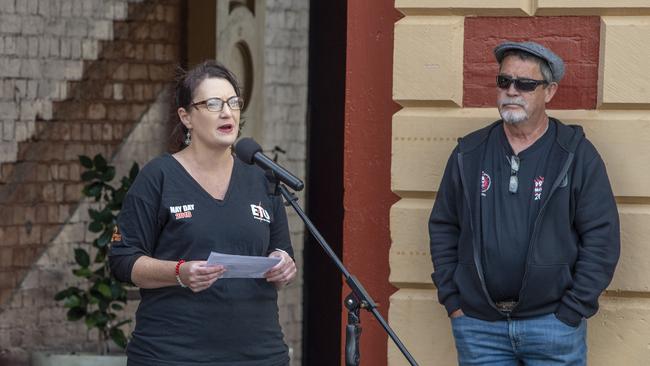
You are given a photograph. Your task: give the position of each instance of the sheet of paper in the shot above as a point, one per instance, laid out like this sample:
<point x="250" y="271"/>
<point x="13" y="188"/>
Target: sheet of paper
<point x="242" y="266"/>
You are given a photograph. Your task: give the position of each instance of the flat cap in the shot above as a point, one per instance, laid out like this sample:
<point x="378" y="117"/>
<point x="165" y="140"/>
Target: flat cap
<point x="554" y="61"/>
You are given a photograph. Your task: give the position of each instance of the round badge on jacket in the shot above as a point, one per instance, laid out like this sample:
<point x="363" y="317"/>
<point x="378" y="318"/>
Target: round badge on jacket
<point x="486" y="182"/>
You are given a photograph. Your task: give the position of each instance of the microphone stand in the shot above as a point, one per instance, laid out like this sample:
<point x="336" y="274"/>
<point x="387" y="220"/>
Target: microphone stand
<point x="356" y="300"/>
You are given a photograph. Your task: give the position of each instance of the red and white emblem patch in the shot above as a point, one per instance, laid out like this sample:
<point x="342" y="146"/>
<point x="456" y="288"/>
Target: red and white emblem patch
<point x="537" y="190"/>
<point x="486" y="183"/>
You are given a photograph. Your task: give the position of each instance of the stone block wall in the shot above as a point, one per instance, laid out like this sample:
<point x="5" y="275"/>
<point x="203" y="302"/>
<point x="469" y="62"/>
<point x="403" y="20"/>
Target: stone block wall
<point x="88" y="73"/>
<point x="93" y="76"/>
<point x="605" y="92"/>
<point x="286" y="35"/>
<point x="43" y="45"/>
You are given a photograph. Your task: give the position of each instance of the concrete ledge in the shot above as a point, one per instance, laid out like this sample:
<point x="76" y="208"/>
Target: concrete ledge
<point x="410" y="260"/>
<point x="424" y="328"/>
<point x="623" y="140"/>
<point x="465" y="7"/>
<point x="428" y="60"/>
<point x="423" y="138"/>
<point x="592" y="7"/>
<point x="618" y="334"/>
<point x="623" y="67"/>
<point x="409" y="257"/>
<point x="633" y="270"/>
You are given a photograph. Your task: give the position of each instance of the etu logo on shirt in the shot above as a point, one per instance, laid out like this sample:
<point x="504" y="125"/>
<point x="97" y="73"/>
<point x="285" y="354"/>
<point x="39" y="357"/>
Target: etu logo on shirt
<point x="182" y="211"/>
<point x="259" y="213"/>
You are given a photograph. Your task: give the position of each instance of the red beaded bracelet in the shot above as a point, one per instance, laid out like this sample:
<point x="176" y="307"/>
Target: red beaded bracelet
<point x="178" y="273"/>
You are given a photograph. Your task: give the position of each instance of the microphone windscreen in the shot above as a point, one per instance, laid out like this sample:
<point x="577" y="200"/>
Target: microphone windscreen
<point x="246" y="148"/>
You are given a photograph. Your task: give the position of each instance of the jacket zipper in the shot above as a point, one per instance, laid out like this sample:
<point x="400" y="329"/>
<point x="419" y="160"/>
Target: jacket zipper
<point x="477" y="247"/>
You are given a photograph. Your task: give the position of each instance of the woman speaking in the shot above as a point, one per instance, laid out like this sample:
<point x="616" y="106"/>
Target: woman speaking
<point x="180" y="208"/>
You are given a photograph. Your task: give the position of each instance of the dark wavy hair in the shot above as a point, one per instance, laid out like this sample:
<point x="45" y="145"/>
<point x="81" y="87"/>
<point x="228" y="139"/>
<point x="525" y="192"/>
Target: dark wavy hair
<point x="186" y="84"/>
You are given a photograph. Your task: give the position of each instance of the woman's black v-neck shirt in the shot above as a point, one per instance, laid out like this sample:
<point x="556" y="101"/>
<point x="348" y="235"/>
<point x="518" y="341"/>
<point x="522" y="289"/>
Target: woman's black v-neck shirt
<point x="167" y="215"/>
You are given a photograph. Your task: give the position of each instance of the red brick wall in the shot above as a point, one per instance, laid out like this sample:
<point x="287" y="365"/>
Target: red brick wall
<point x="42" y="188"/>
<point x="575" y="39"/>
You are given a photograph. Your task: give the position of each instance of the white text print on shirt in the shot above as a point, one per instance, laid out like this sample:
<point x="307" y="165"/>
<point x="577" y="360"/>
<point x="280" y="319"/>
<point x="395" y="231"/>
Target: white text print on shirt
<point x="259" y="213"/>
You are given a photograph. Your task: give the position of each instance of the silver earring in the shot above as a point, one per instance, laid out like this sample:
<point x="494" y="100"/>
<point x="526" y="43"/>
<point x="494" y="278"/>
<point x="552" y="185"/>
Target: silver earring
<point x="188" y="138"/>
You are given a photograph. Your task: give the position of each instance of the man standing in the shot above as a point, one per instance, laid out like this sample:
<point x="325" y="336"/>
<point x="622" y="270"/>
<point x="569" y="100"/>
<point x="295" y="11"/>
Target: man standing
<point x="524" y="230"/>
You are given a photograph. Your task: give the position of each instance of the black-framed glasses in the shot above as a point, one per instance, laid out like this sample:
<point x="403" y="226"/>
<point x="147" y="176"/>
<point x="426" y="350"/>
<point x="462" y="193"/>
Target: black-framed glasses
<point x="216" y="104"/>
<point x="523" y="84"/>
<point x="513" y="185"/>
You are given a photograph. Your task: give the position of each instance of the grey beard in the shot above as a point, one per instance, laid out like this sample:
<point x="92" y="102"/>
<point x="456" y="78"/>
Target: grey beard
<point x="514" y="118"/>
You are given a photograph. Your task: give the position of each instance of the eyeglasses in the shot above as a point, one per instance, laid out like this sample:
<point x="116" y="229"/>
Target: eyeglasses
<point x="216" y="104"/>
<point x="523" y="84"/>
<point x="514" y="168"/>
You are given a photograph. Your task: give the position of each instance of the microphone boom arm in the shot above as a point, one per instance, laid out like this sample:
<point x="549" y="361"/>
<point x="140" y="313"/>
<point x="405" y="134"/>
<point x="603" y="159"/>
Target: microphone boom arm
<point x="358" y="298"/>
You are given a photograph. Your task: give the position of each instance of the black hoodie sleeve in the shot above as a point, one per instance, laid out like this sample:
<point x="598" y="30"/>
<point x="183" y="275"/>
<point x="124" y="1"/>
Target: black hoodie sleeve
<point x="444" y="232"/>
<point x="597" y="223"/>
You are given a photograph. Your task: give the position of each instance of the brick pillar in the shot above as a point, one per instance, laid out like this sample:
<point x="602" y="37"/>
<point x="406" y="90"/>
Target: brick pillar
<point x="367" y="150"/>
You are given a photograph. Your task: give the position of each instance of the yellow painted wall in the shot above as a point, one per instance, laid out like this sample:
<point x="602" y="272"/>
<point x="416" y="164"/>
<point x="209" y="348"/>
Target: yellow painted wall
<point x="428" y="85"/>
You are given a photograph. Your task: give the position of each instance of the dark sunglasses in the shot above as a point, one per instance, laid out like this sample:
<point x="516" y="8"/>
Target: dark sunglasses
<point x="514" y="168"/>
<point x="523" y="84"/>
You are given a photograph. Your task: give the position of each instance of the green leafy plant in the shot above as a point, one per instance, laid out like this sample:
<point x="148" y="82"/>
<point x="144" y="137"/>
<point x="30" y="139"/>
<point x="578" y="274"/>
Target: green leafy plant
<point x="103" y="295"/>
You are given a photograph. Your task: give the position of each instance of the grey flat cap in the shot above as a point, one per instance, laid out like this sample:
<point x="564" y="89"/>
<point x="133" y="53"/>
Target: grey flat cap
<point x="554" y="61"/>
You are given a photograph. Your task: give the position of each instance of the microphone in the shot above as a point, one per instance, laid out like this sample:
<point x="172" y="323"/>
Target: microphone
<point x="250" y="152"/>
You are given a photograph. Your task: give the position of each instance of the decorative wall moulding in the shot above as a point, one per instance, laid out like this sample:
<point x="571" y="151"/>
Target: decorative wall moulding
<point x="466" y="7"/>
<point x="592" y="7"/>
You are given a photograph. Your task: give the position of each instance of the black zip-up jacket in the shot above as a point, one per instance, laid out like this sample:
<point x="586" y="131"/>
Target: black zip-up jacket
<point x="574" y="245"/>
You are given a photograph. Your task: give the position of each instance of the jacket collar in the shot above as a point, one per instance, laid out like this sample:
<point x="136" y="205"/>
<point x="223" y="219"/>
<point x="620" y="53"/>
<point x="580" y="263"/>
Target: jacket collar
<point x="568" y="136"/>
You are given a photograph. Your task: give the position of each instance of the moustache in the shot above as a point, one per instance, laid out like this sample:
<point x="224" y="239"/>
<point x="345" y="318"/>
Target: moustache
<point x="513" y="101"/>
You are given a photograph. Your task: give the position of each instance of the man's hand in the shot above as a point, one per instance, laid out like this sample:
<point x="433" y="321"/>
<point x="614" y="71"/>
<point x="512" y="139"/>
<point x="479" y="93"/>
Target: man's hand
<point x="282" y="273"/>
<point x="198" y="276"/>
<point x="456" y="314"/>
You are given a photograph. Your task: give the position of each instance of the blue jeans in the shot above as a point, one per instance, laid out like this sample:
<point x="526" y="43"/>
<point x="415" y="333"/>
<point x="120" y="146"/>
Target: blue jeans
<point x="543" y="340"/>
